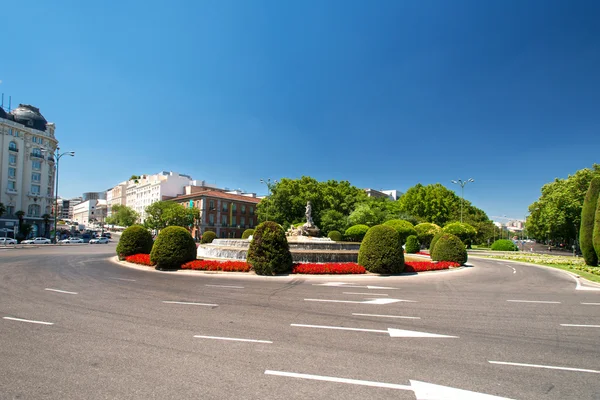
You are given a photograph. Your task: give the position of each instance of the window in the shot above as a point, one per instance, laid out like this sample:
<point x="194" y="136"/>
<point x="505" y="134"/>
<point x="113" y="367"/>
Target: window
<point x="12" y="159"/>
<point x="12" y="185"/>
<point x="12" y="146"/>
<point x="36" y="177"/>
<point x="251" y="210"/>
<point x="233" y="220"/>
<point x="33" y="210"/>
<point x="36" y="165"/>
<point x="35" y="189"/>
<point x="49" y="191"/>
<point x="12" y="173"/>
<point x="225" y="206"/>
<point x="10" y="131"/>
<point x="234" y="208"/>
<point x="36" y="152"/>
<point x="251" y="222"/>
<point x="211" y="205"/>
<point x="243" y="209"/>
<point x="211" y="219"/>
<point x="242" y="221"/>
<point x="223" y="220"/>
<point x="10" y="210"/>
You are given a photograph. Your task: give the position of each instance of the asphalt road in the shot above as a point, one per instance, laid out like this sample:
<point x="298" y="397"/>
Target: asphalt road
<point x="123" y="333"/>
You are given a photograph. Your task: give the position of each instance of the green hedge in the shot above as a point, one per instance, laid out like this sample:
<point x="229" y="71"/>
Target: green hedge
<point x="588" y="216"/>
<point x="335" y="236"/>
<point x="412" y="245"/>
<point x="269" y="251"/>
<point x="449" y="248"/>
<point x="356" y="233"/>
<point x="504" y="245"/>
<point x="426" y="231"/>
<point x="434" y="240"/>
<point x="173" y="246"/>
<point x="208" y="237"/>
<point x="134" y="240"/>
<point x="403" y="227"/>
<point x="247" y="233"/>
<point x="380" y="251"/>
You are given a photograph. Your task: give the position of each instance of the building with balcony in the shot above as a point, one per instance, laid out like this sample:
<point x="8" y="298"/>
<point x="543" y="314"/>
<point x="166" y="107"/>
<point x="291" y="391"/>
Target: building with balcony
<point x="90" y="212"/>
<point x="27" y="168"/>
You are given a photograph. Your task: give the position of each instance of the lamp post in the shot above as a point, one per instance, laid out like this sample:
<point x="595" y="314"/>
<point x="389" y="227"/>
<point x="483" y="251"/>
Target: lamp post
<point x="462" y="193"/>
<point x="269" y="185"/>
<point x="57" y="157"/>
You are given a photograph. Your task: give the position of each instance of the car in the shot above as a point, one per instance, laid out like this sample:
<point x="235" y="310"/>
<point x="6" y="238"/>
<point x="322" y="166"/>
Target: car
<point x="6" y="241"/>
<point x="37" y="240"/>
<point x="106" y="234"/>
<point x="99" y="240"/>
<point x="72" y="240"/>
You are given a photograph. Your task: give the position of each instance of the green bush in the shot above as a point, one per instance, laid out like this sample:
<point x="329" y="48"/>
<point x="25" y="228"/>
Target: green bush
<point x="596" y="233"/>
<point x="335" y="236"/>
<point x="173" y="246"/>
<point x="588" y="216"/>
<point x="504" y="245"/>
<point x="134" y="240"/>
<point x="208" y="237"/>
<point x="434" y="240"/>
<point x="465" y="232"/>
<point x="356" y="233"/>
<point x="449" y="248"/>
<point x="247" y="233"/>
<point x="412" y="244"/>
<point x="380" y="251"/>
<point x="426" y="231"/>
<point x="269" y="251"/>
<point x="404" y="228"/>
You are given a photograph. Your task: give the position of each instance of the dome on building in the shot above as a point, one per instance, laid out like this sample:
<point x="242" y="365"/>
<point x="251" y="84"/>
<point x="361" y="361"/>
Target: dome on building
<point x="29" y="116"/>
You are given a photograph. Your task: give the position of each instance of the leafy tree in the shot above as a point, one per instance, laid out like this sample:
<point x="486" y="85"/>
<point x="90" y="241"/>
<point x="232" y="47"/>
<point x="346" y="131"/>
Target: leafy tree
<point x="464" y="232"/>
<point x="364" y="214"/>
<point x="431" y="203"/>
<point x="2" y="209"/>
<point x="122" y="216"/>
<point x="333" y="220"/>
<point x="46" y="218"/>
<point x="404" y="229"/>
<point x="426" y="231"/>
<point x="167" y="213"/>
<point x="586" y="232"/>
<point x="25" y="230"/>
<point x="135" y="178"/>
<point x="20" y="214"/>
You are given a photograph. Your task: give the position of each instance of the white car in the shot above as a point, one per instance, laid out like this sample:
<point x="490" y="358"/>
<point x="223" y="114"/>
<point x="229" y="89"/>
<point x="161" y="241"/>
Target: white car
<point x="37" y="240"/>
<point x="5" y="241"/>
<point x="99" y="240"/>
<point x="72" y="240"/>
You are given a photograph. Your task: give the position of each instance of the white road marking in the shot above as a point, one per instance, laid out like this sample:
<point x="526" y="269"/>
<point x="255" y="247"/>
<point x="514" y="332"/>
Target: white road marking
<point x="226" y="286"/>
<point x="422" y="390"/>
<point x="511" y="267"/>
<point x="391" y="331"/>
<point x="385" y="316"/>
<point x="232" y="339"/>
<point x="591" y="304"/>
<point x="582" y="326"/>
<point x="123" y="279"/>
<point x="190" y="303"/>
<point x="29" y="320"/>
<point x="368" y="294"/>
<point x="348" y="285"/>
<point x="60" y="291"/>
<point x="534" y="301"/>
<point x="593" y="371"/>
<point x="580" y="286"/>
<point x="371" y="301"/>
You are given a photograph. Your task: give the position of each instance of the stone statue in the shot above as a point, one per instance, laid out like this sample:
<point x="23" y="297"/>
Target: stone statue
<point x="308" y="213"/>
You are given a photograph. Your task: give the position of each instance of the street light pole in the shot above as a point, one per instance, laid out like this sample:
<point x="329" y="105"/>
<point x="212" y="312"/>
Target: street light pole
<point x="462" y="193"/>
<point x="268" y="183"/>
<point x="57" y="156"/>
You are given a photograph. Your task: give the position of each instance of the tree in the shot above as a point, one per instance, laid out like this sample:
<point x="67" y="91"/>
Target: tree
<point x="20" y="214"/>
<point x="431" y="203"/>
<point x="586" y="232"/>
<point x="333" y="220"/>
<point x="2" y="209"/>
<point x="167" y="213"/>
<point x="464" y="232"/>
<point x="122" y="216"/>
<point x="135" y="178"/>
<point x="46" y="218"/>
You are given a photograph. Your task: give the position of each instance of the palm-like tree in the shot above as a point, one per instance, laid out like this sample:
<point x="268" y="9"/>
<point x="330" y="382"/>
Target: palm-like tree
<point x="2" y="209"/>
<point x="20" y="215"/>
<point x="46" y="218"/>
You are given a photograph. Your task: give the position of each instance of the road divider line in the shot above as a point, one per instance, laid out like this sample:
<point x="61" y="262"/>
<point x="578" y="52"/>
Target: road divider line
<point x="233" y="339"/>
<point x="226" y="286"/>
<point x="191" y="303"/>
<point x="28" y="320"/>
<point x="339" y="380"/>
<point x="581" y="326"/>
<point x="591" y="304"/>
<point x="60" y="291"/>
<point x="534" y="301"/>
<point x="385" y="316"/>
<point x="593" y="371"/>
<point x="123" y="279"/>
<point x="367" y="294"/>
<point x="380" y="301"/>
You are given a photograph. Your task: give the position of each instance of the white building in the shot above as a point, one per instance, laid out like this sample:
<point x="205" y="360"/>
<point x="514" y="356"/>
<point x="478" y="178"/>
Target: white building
<point x="65" y="207"/>
<point x="26" y="172"/>
<point x="116" y="196"/>
<point x="90" y="212"/>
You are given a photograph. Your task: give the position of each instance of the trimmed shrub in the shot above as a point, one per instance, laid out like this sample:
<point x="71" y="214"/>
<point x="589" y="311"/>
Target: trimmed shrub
<point x="588" y="216"/>
<point x="449" y="248"/>
<point x="173" y="247"/>
<point x="269" y="251"/>
<point x="426" y="231"/>
<point x="412" y="245"/>
<point x="335" y="236"/>
<point x="134" y="240"/>
<point x="434" y="240"/>
<point x="404" y="229"/>
<point x="380" y="251"/>
<point x="504" y="245"/>
<point x="247" y="233"/>
<point x="208" y="237"/>
<point x="596" y="233"/>
<point x="356" y="233"/>
<point x="464" y="232"/>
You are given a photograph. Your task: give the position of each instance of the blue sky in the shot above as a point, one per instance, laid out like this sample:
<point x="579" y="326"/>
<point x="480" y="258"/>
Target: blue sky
<point x="384" y="94"/>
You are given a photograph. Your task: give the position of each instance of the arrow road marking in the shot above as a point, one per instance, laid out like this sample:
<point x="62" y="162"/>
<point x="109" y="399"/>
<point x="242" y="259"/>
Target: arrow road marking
<point x="60" y="291"/>
<point x="593" y="371"/>
<point x="393" y="332"/>
<point x="232" y="339"/>
<point x="29" y="320"/>
<point x="581" y="287"/>
<point x="348" y="285"/>
<point x="422" y="390"/>
<point x="370" y="301"/>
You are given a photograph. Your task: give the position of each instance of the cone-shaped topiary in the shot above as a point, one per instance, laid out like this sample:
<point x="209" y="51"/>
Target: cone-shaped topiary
<point x="596" y="233"/>
<point x="588" y="216"/>
<point x="356" y="233"/>
<point x="208" y="237"/>
<point x="380" y="251"/>
<point x="134" y="240"/>
<point x="173" y="246"/>
<point x="269" y="251"/>
<point x="335" y="236"/>
<point x="404" y="228"/>
<point x="412" y="245"/>
<point x="434" y="240"/>
<point x="426" y="231"/>
<point x="504" y="245"/>
<point x="247" y="233"/>
<point x="449" y="248"/>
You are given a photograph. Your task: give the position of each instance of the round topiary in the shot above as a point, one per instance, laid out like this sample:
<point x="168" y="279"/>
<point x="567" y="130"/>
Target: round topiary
<point x="464" y="232"/>
<point x="426" y="231"/>
<point x="173" y="246"/>
<point x="404" y="228"/>
<point x="335" y="236"/>
<point x="504" y="245"/>
<point x="269" y="251"/>
<point x="247" y="233"/>
<point x="356" y="233"/>
<point x="380" y="251"/>
<point x="134" y="240"/>
<point x="412" y="245"/>
<point x="434" y="240"/>
<point x="208" y="237"/>
<point x="449" y="248"/>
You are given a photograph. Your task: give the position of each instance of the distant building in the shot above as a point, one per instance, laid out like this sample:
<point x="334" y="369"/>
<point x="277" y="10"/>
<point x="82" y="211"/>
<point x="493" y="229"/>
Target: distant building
<point x="390" y="194"/>
<point x="65" y="207"/>
<point x="94" y="196"/>
<point x="90" y="212"/>
<point x="393" y="194"/>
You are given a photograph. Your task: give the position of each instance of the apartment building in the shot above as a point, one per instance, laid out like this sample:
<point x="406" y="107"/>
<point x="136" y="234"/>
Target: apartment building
<point x="90" y="212"/>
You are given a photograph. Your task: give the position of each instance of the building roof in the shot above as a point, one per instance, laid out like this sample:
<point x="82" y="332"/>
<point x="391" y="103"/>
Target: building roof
<point x="29" y="116"/>
<point x="219" y="195"/>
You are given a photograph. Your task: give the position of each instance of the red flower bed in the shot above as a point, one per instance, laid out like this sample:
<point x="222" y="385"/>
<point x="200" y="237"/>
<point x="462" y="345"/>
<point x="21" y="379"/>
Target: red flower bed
<point x="143" y="259"/>
<point x="213" y="265"/>
<point x="328" y="268"/>
<point x="420" y="266"/>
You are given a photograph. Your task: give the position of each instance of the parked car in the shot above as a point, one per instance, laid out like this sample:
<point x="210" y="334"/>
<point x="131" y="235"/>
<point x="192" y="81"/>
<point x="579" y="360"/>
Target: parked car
<point x="99" y="240"/>
<point x="72" y="240"/>
<point x="107" y="235"/>
<point x="37" y="240"/>
<point x="6" y="241"/>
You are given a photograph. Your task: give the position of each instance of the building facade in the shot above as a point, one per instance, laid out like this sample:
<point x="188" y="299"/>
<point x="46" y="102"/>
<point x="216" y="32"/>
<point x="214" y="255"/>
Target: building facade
<point x="27" y="169"/>
<point x="90" y="212"/>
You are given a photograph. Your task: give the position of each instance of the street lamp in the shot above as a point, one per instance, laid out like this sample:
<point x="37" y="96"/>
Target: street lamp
<point x="462" y="193"/>
<point x="269" y="185"/>
<point x="57" y="157"/>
